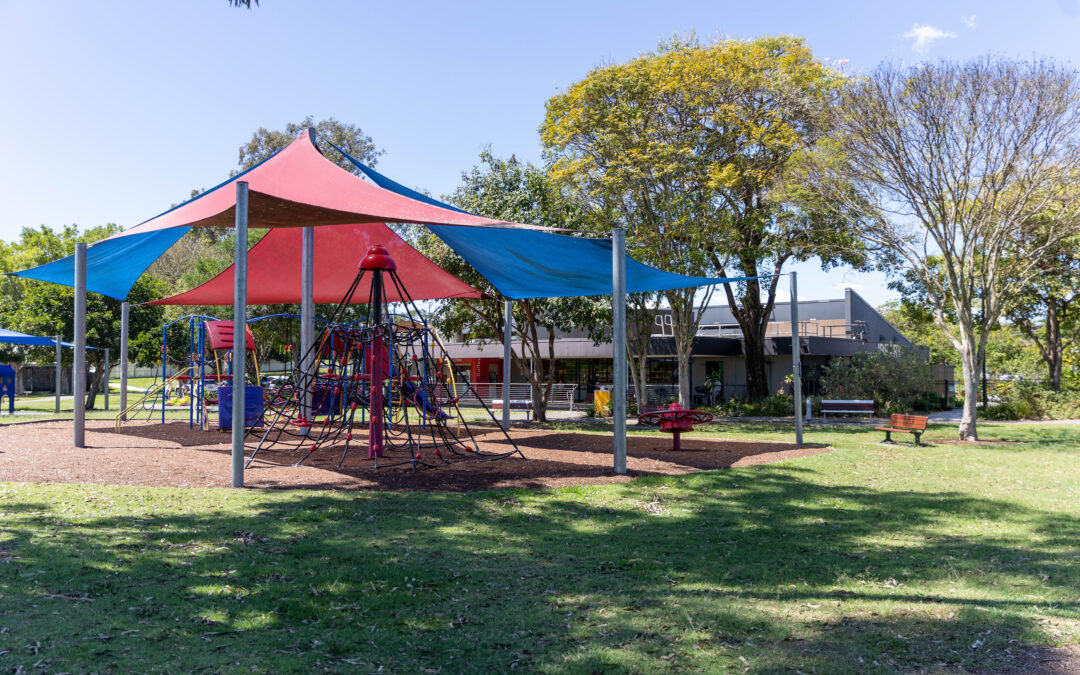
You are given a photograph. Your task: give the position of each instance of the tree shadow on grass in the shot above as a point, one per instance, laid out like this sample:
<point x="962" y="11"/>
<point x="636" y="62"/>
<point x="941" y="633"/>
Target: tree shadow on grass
<point x="691" y="572"/>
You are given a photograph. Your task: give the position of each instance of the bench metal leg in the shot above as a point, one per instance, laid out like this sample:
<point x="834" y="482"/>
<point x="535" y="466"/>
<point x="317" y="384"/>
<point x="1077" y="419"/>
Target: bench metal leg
<point x="888" y="437"/>
<point x="917" y="434"/>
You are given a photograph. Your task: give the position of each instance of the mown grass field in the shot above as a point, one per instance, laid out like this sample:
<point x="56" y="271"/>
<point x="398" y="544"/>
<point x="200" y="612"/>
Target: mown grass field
<point x="868" y="559"/>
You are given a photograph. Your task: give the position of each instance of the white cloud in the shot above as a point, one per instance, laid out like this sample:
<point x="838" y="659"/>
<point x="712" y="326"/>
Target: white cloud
<point x="924" y="36"/>
<point x="969" y="21"/>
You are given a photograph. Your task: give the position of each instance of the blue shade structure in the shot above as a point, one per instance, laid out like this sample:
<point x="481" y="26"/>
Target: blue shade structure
<point x="523" y="265"/>
<point x="13" y="337"/>
<point x="532" y="264"/>
<point x="113" y="265"/>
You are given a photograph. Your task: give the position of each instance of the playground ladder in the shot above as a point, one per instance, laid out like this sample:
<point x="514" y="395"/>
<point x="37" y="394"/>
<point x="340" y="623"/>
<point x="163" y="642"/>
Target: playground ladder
<point x="152" y="392"/>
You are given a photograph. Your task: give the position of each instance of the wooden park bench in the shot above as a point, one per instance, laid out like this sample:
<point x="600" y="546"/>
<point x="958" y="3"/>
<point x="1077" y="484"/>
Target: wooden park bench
<point x="847" y="407"/>
<point x="912" y="424"/>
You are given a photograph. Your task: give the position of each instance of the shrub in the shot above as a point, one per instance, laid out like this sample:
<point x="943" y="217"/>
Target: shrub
<point x="895" y="379"/>
<point x="1001" y="411"/>
<point x="930" y="402"/>
<point x="777" y="405"/>
<point x="1036" y="400"/>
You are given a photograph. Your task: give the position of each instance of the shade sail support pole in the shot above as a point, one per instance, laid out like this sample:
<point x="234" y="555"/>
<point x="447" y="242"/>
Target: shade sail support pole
<point x="508" y="336"/>
<point x="78" y="370"/>
<point x="618" y="346"/>
<point x="125" y="310"/>
<point x="796" y="359"/>
<point x="59" y="373"/>
<point x="307" y="315"/>
<point x="239" y="354"/>
<point x="105" y="381"/>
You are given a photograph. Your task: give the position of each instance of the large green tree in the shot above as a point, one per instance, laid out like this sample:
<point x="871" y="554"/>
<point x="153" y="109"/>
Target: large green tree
<point x="349" y="137"/>
<point x="962" y="175"/>
<point x="517" y="192"/>
<point x="696" y="150"/>
<point x="41" y="308"/>
<point x="1047" y="309"/>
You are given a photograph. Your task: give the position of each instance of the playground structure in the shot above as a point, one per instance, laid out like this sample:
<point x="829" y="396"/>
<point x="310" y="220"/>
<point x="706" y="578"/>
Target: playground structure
<point x="674" y="421"/>
<point x="299" y="187"/>
<point x="7" y="387"/>
<point x="391" y="369"/>
<point x="203" y="373"/>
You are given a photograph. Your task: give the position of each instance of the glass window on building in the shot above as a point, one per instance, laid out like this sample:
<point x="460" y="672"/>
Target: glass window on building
<point x="663" y="371"/>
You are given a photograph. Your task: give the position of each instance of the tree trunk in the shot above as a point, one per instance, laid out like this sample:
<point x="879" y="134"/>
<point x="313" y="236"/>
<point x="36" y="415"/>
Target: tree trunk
<point x="1054" y="345"/>
<point x="639" y="377"/>
<point x="643" y="376"/>
<point x="686" y="399"/>
<point x="538" y="401"/>
<point x="757" y="376"/>
<point x="685" y="317"/>
<point x="753" y="317"/>
<point x="95" y="383"/>
<point x="640" y="316"/>
<point x="970" y="370"/>
<point x="18" y="366"/>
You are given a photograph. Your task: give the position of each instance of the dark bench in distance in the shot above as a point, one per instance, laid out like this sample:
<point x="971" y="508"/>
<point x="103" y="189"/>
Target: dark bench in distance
<point x="912" y="424"/>
<point x="847" y="407"/>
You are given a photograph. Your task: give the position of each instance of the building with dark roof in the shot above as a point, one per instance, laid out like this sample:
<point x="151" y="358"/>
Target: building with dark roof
<point x="827" y="329"/>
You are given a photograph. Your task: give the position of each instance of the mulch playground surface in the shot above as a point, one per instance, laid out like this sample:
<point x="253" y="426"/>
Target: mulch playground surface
<point x="172" y="455"/>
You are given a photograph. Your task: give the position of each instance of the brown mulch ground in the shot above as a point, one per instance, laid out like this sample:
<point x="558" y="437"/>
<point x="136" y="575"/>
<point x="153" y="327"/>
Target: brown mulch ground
<point x="173" y="455"/>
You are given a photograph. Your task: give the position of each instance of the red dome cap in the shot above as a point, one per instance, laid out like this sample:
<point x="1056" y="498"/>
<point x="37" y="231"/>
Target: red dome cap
<point x="378" y="258"/>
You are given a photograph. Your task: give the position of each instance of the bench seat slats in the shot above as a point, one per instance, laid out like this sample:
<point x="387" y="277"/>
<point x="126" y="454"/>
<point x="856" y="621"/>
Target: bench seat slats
<point x="847" y="407"/>
<point x="910" y="424"/>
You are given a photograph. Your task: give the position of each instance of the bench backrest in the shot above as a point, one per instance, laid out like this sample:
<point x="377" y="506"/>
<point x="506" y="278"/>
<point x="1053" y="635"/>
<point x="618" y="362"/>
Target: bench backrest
<point x="853" y="404"/>
<point x="915" y="422"/>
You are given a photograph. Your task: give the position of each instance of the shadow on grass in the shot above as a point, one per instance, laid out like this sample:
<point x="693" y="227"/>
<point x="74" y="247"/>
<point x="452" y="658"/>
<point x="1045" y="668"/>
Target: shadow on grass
<point x="695" y="571"/>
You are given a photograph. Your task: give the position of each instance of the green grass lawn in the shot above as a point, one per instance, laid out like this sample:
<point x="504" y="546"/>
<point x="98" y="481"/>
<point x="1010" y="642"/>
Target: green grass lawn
<point x="43" y="408"/>
<point x="864" y="560"/>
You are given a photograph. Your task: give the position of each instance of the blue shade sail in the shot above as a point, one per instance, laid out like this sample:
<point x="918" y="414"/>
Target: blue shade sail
<point x="529" y="264"/>
<point x="112" y="265"/>
<point x="14" y="337"/>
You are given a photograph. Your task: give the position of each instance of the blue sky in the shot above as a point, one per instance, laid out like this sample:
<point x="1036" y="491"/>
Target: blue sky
<point x="114" y="110"/>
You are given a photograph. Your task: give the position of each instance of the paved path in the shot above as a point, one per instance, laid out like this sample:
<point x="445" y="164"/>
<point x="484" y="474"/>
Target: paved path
<point x="953" y="415"/>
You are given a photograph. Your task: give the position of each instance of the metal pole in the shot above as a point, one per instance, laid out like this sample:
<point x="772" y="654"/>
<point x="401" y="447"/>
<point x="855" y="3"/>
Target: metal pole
<point x="106" y="378"/>
<point x="307" y="316"/>
<point x="124" y="309"/>
<point x="796" y="358"/>
<point x="239" y="353"/>
<point x="378" y="376"/>
<point x="59" y="374"/>
<point x="618" y="346"/>
<point x="78" y="370"/>
<point x="508" y="336"/>
<point x="986" y="391"/>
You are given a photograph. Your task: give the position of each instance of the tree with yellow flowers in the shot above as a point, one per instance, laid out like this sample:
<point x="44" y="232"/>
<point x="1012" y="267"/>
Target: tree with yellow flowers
<point x="696" y="150"/>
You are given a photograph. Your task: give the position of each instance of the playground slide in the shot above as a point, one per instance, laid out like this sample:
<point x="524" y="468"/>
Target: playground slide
<point x="423" y="401"/>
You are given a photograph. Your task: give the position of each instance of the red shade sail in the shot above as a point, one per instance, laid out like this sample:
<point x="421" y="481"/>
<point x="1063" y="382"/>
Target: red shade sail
<point x="298" y="186"/>
<point x="274" y="270"/>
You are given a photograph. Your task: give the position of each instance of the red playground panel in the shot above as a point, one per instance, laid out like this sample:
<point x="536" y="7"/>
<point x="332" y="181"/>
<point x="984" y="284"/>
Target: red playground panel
<point x="674" y="421"/>
<point x="220" y="335"/>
